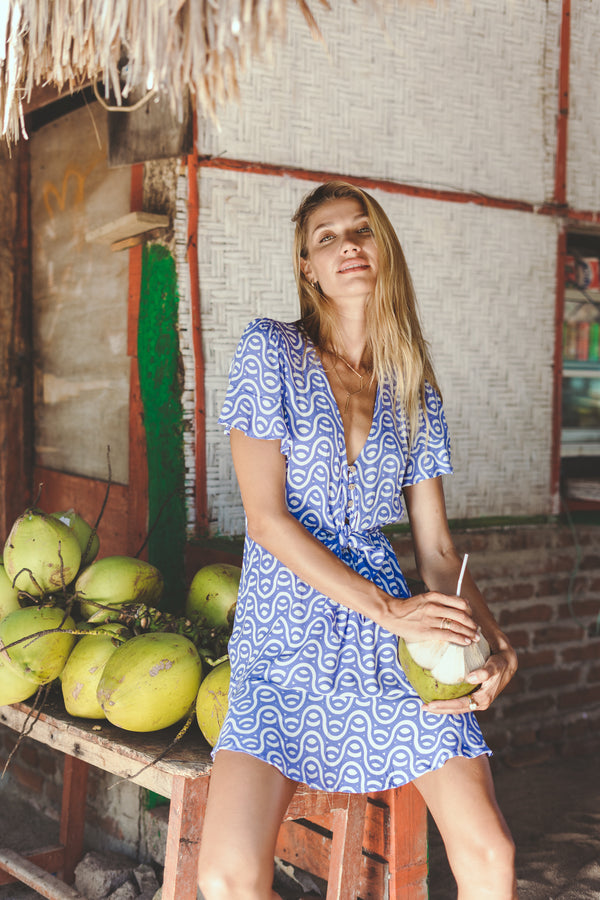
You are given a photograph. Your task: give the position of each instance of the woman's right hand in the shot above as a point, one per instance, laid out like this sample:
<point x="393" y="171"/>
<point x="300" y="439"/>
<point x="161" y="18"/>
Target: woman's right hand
<point x="431" y="616"/>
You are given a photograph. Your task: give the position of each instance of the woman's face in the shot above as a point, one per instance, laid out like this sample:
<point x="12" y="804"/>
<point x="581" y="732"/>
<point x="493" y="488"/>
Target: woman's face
<point x="342" y="255"/>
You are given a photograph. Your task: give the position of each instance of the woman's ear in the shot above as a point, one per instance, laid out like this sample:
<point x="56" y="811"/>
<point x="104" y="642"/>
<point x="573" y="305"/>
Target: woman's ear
<point x="307" y="270"/>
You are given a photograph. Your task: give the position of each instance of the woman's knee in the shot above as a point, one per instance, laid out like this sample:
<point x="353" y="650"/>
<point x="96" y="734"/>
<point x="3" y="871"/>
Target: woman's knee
<point x="233" y="882"/>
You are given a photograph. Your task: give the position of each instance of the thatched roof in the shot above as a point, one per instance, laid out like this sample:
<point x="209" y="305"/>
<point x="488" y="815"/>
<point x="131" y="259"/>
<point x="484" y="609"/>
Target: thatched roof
<point x="133" y="47"/>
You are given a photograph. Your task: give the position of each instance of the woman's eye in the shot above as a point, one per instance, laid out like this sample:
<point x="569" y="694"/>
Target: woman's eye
<point x="366" y="229"/>
<point x="326" y="237"/>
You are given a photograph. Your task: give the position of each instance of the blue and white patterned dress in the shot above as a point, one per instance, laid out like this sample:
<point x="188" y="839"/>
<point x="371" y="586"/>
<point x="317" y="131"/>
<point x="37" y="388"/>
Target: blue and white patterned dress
<point x="316" y="688"/>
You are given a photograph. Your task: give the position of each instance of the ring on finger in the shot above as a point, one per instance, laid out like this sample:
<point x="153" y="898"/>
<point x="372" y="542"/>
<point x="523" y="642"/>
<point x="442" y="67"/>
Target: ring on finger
<point x="446" y="623"/>
<point x="472" y="704"/>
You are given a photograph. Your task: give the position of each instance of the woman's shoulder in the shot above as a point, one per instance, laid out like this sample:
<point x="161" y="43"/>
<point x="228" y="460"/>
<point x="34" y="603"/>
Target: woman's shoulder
<point x="274" y="333"/>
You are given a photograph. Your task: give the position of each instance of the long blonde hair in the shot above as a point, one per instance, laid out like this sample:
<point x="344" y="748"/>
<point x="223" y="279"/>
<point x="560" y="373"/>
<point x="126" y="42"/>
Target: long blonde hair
<point x="395" y="346"/>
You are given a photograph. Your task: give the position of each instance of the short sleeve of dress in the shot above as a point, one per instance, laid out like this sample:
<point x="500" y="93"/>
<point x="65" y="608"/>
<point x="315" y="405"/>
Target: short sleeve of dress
<point x="253" y="403"/>
<point x="429" y="455"/>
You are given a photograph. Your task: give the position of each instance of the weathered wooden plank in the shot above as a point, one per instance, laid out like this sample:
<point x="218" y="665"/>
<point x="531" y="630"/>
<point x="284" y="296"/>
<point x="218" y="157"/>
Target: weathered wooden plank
<point x="311" y="851"/>
<point x="48" y="858"/>
<point x="40" y="880"/>
<point x="61" y="491"/>
<point x="116" y="751"/>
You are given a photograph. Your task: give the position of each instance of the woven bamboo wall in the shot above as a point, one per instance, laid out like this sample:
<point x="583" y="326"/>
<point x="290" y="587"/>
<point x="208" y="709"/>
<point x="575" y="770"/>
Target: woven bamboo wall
<point x="485" y="281"/>
<point x="583" y="172"/>
<point x="459" y="95"/>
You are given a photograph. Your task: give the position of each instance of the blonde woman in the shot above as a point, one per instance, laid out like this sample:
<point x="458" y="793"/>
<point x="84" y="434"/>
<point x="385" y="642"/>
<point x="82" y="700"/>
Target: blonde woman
<point x="336" y="423"/>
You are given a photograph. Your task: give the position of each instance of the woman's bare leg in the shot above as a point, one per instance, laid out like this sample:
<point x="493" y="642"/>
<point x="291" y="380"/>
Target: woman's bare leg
<point x="461" y="799"/>
<point x="247" y="800"/>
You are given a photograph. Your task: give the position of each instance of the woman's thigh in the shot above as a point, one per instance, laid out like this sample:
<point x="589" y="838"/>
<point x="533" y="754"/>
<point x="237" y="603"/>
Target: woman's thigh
<point x="247" y="800"/>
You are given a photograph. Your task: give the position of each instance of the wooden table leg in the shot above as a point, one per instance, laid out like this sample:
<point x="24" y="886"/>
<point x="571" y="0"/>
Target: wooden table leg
<point x="72" y="817"/>
<point x="188" y="800"/>
<point x="408" y="844"/>
<point x="346" y="849"/>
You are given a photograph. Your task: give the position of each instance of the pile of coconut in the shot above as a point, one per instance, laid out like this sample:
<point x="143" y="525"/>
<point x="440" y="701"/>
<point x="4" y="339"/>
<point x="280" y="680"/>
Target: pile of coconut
<point x="94" y="626"/>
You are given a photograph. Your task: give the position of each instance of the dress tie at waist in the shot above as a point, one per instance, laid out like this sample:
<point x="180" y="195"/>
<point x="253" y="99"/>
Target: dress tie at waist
<point x="362" y="543"/>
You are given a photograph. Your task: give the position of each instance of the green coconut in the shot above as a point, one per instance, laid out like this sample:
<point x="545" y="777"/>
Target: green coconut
<point x="88" y="540"/>
<point x="41" y="554"/>
<point x="213" y="594"/>
<point x="43" y="657"/>
<point x="9" y="596"/>
<point x="150" y="682"/>
<point x="212" y="701"/>
<point x="115" y="580"/>
<point x="84" y="667"/>
<point x="14" y="687"/>
<point x="437" y="669"/>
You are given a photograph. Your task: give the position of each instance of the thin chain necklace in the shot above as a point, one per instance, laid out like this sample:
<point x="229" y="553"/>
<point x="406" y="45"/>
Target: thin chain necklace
<point x="349" y="394"/>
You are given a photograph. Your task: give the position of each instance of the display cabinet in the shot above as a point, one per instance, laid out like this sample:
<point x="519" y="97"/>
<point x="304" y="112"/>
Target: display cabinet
<point x="580" y="431"/>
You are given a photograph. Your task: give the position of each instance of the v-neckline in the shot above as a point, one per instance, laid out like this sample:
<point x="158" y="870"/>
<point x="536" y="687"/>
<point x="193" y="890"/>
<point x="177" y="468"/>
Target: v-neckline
<point x="340" y="421"/>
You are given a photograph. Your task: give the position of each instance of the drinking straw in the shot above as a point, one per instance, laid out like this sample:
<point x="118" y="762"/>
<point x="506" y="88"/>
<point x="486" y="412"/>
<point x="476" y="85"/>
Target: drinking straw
<point x="462" y="573"/>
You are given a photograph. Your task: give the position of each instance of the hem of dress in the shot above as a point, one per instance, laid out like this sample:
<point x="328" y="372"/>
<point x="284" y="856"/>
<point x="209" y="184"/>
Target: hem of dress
<point x="395" y="783"/>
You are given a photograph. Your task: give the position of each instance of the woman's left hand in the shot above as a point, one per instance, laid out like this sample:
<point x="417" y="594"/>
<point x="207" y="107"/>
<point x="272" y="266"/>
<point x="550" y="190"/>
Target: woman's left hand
<point x="492" y="678"/>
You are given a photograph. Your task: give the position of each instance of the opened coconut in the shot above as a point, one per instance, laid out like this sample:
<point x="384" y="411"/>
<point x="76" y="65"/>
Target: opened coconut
<point x="212" y="701"/>
<point x="84" y="667"/>
<point x="42" y="554"/>
<point x="437" y="669"/>
<point x="115" y="580"/>
<point x="87" y="538"/>
<point x="9" y="596"/>
<point x="150" y="682"/>
<point x="35" y="642"/>
<point x="213" y="594"/>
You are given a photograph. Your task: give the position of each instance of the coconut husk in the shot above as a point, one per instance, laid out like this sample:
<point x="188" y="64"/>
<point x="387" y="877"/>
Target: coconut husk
<point x="134" y="49"/>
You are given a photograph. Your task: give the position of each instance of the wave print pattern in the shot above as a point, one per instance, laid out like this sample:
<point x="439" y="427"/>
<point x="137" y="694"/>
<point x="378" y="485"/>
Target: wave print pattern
<point x="316" y="688"/>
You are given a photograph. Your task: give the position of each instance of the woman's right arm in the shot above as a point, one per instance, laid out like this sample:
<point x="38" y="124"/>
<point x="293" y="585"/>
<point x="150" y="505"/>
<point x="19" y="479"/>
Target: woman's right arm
<point x="261" y="473"/>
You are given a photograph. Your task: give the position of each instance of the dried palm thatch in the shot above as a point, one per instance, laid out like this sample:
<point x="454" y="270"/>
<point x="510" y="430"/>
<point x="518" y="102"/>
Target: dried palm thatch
<point x="133" y="47"/>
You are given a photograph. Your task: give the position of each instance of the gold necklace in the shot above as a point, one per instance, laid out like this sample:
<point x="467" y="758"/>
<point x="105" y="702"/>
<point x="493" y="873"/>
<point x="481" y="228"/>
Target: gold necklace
<point x="349" y="394"/>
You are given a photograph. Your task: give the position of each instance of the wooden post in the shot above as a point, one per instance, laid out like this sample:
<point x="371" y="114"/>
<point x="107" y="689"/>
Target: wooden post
<point x="186" y="816"/>
<point x="16" y="375"/>
<point x="407" y="825"/>
<point x="72" y="819"/>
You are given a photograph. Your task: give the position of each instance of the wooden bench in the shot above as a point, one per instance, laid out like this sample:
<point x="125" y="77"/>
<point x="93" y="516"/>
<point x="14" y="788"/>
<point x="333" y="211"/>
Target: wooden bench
<point x="370" y="846"/>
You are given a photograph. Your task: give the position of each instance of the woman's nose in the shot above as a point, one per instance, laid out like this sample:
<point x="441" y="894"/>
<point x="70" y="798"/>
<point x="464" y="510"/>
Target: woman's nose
<point x="349" y="243"/>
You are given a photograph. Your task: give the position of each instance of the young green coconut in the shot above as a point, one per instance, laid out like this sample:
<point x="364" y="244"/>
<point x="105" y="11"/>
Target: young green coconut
<point x="437" y="670"/>
<point x="41" y="555"/>
<point x="117" y="580"/>
<point x="36" y="642"/>
<point x="213" y="595"/>
<point x="212" y="701"/>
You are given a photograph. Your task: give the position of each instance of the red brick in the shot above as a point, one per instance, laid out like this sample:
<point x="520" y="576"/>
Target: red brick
<point x="554" y="587"/>
<point x="531" y="659"/>
<point x="27" y="778"/>
<point x="558" y="634"/>
<point x="590" y="561"/>
<point x="532" y="706"/>
<point x="555" y="678"/>
<point x="524" y="738"/>
<point x="593" y="674"/>
<point x="584" y="696"/>
<point x="581" y="653"/>
<point x="580" y="608"/>
<point x="519" y="638"/>
<point x="536" y="613"/>
<point x="552" y="733"/>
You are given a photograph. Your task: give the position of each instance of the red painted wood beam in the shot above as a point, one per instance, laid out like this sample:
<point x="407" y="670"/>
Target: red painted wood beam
<point x="137" y="519"/>
<point x="379" y="184"/>
<point x="560" y="199"/>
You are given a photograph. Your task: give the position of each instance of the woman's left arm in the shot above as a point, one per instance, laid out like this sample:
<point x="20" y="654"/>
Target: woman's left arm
<point x="439" y="567"/>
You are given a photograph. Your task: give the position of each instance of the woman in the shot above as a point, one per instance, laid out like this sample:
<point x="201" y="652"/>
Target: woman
<point x="332" y="421"/>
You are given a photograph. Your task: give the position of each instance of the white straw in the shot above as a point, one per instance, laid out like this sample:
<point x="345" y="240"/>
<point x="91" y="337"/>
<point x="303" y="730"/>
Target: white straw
<point x="462" y="573"/>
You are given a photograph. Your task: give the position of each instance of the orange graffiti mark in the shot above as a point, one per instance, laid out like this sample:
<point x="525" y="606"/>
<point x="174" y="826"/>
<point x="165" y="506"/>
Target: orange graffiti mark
<point x="60" y="196"/>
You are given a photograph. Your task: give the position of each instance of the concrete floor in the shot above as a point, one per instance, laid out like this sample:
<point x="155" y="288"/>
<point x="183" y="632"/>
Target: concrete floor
<point x="553" y="810"/>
